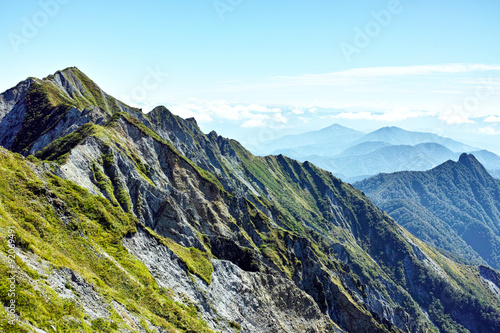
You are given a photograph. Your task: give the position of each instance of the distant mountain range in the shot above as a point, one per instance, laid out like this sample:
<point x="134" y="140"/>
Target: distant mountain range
<point x="325" y="142"/>
<point x="398" y="136"/>
<point x="353" y="156"/>
<point x="455" y="206"/>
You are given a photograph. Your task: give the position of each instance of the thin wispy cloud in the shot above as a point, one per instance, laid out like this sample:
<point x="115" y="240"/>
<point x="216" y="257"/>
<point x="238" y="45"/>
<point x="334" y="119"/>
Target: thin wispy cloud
<point x="452" y="77"/>
<point x="247" y="116"/>
<point x="388" y="72"/>
<point x="389" y="116"/>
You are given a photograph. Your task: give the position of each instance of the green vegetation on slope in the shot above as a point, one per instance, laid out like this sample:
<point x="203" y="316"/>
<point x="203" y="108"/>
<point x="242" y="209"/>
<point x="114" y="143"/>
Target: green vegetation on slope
<point x="86" y="92"/>
<point x="454" y="206"/>
<point x="302" y="192"/>
<point x="196" y="261"/>
<point x="147" y="131"/>
<point x="62" y="224"/>
<point x="59" y="149"/>
<point x="41" y="115"/>
<point x="321" y="233"/>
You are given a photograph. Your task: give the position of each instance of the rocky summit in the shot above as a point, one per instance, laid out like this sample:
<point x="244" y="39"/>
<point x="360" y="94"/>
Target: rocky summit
<point x="113" y="220"/>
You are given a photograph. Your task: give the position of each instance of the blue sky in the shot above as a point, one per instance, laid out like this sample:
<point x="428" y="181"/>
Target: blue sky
<point x="259" y="68"/>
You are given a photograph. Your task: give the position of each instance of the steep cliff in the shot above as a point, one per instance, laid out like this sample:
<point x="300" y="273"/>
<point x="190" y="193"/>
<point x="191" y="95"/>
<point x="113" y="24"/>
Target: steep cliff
<point x="230" y="241"/>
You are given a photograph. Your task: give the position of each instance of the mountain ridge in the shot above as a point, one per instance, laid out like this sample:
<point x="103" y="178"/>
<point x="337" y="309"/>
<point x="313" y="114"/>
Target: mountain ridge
<point x="203" y="210"/>
<point x="397" y="135"/>
<point x="461" y="195"/>
<point x="331" y="136"/>
<point x="388" y="149"/>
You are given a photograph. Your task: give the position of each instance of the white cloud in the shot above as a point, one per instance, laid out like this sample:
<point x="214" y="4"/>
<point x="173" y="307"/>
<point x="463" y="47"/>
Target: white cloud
<point x="184" y="112"/>
<point x="398" y="71"/>
<point x="492" y="119"/>
<point x="259" y="120"/>
<point x="454" y="118"/>
<point x="247" y="116"/>
<point x="257" y="108"/>
<point x="422" y="87"/>
<point x="355" y="115"/>
<point x="280" y="118"/>
<point x="203" y="118"/>
<point x="422" y="70"/>
<point x="488" y="130"/>
<point x="394" y="115"/>
<point x="222" y="110"/>
<point x="401" y="113"/>
<point x="352" y="78"/>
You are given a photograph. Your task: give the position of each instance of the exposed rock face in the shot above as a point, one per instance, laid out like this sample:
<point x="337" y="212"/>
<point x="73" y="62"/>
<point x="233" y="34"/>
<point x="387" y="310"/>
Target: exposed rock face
<point x="13" y="97"/>
<point x="12" y="112"/>
<point x="491" y="278"/>
<point x="69" y="285"/>
<point x="70" y="123"/>
<point x="184" y="203"/>
<point x="260" y="302"/>
<point x="69" y="96"/>
<point x="291" y="248"/>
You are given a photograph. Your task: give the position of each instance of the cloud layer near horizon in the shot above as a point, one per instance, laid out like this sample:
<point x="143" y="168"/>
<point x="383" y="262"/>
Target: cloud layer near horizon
<point x="431" y="95"/>
<point x="455" y="93"/>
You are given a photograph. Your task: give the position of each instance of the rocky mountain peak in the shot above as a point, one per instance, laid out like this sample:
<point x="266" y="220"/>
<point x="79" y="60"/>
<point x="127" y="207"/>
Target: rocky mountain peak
<point x="192" y="121"/>
<point x="475" y="167"/>
<point x="161" y="110"/>
<point x="212" y="135"/>
<point x="38" y="111"/>
<point x="469" y="160"/>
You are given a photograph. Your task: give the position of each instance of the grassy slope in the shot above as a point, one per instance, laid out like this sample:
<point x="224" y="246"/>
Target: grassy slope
<point x="450" y="196"/>
<point x="295" y="193"/>
<point x="272" y="240"/>
<point x="46" y="104"/>
<point x="34" y="208"/>
<point x="288" y="183"/>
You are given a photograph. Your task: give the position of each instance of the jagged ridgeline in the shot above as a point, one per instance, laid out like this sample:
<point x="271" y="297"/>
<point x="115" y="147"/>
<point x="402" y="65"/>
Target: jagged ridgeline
<point x="127" y="221"/>
<point x="455" y="207"/>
